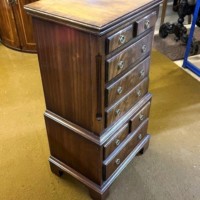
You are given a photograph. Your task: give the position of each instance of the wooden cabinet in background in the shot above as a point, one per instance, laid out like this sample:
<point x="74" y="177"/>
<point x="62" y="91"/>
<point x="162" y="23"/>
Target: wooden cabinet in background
<point x="16" y="26"/>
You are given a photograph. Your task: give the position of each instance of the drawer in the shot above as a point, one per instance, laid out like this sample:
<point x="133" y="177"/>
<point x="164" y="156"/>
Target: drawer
<point x="124" y="104"/>
<point x="117" y="157"/>
<point x="128" y="56"/>
<point x="115" y="141"/>
<point x="140" y="117"/>
<point x="119" y="39"/>
<point x="119" y="88"/>
<point x="146" y="23"/>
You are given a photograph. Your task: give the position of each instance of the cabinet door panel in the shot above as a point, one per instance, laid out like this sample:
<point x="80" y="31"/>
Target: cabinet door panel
<point x="8" y="31"/>
<point x="24" y="25"/>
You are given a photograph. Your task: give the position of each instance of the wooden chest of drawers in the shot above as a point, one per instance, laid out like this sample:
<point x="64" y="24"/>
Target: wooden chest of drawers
<point x="94" y="60"/>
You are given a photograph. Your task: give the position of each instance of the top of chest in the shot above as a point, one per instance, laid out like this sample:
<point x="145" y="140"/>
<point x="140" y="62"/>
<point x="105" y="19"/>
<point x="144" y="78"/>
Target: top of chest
<point x="95" y="16"/>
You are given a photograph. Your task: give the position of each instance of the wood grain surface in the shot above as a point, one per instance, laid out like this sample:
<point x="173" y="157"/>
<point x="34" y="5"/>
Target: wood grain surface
<point x="115" y="159"/>
<point x="126" y="83"/>
<point x="96" y="13"/>
<point x="123" y="105"/>
<point x="128" y="56"/>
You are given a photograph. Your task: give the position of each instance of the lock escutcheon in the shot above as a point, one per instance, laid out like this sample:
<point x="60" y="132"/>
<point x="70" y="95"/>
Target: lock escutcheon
<point x="117" y="112"/>
<point x="122" y="39"/>
<point x="120" y="65"/>
<point x="117" y="161"/>
<point x="146" y="24"/>
<point x="119" y="90"/>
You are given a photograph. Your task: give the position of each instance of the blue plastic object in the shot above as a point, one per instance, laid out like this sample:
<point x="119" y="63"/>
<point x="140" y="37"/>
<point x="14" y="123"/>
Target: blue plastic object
<point x="186" y="63"/>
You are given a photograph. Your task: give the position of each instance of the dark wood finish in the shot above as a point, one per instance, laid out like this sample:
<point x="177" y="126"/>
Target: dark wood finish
<point x="70" y="74"/>
<point x="146" y="23"/>
<point x="115" y="159"/>
<point x="115" y="141"/>
<point x="123" y="105"/>
<point x="92" y="17"/>
<point x="98" y="196"/>
<point x="56" y="170"/>
<point x="86" y="157"/>
<point x="144" y="149"/>
<point x="16" y="26"/>
<point x="141" y="116"/>
<point x="120" y="38"/>
<point x="77" y="43"/>
<point x="128" y="56"/>
<point x="8" y="31"/>
<point x="126" y="82"/>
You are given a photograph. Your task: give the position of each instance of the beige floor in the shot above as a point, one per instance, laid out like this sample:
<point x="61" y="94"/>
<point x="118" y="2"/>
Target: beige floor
<point x="170" y="169"/>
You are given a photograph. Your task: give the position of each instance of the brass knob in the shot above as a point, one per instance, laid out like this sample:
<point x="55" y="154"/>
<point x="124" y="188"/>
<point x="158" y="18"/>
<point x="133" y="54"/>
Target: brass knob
<point x="117" y="161"/>
<point x="120" y="64"/>
<point x="122" y="39"/>
<point x="139" y="93"/>
<point x="117" y="142"/>
<point x="140" y="136"/>
<point x="141" y="117"/>
<point x="119" y="90"/>
<point x="144" y="48"/>
<point x="147" y="24"/>
<point x="117" y="112"/>
<point x="142" y="73"/>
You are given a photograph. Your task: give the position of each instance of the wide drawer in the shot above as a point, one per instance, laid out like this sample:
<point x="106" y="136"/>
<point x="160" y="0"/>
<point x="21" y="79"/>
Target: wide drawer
<point x="140" y="117"/>
<point x="128" y="56"/>
<point x="145" y="23"/>
<point x="118" y="156"/>
<point x="115" y="141"/>
<point x="119" y="88"/>
<point x="124" y="104"/>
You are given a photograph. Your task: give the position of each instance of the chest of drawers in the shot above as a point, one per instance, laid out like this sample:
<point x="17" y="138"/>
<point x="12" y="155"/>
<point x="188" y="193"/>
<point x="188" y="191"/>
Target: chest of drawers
<point x="94" y="60"/>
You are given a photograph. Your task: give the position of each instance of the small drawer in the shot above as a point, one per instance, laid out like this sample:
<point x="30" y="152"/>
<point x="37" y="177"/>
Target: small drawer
<point x="118" y="39"/>
<point x="145" y="23"/>
<point x="115" y="141"/>
<point x="127" y="82"/>
<point x="117" y="157"/>
<point x="140" y="117"/>
<point x="128" y="56"/>
<point x="124" y="104"/>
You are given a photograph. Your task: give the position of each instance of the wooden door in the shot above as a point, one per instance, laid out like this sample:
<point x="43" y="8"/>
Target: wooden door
<point x="24" y="25"/>
<point x="8" y="31"/>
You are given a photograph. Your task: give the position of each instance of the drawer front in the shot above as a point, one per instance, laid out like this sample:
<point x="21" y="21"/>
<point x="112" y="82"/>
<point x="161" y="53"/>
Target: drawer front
<point x="115" y="141"/>
<point x="127" y="57"/>
<point x="119" y="39"/>
<point x="140" y="117"/>
<point x="115" y="159"/>
<point x="119" y="88"/>
<point x="146" y="23"/>
<point x="121" y="107"/>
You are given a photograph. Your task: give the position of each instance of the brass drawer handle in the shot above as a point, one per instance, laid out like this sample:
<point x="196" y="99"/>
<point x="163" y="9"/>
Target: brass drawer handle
<point x="117" y="112"/>
<point x="120" y="64"/>
<point x="144" y="48"/>
<point x="117" y="142"/>
<point x="139" y="93"/>
<point x="140" y="136"/>
<point x="119" y="90"/>
<point x="117" y="161"/>
<point x="146" y="24"/>
<point x="141" y="117"/>
<point x="142" y="73"/>
<point x="122" y="39"/>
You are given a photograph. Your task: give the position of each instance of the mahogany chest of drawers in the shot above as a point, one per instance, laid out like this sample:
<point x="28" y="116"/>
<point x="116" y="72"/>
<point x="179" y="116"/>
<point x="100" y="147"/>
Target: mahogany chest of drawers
<point x="94" y="60"/>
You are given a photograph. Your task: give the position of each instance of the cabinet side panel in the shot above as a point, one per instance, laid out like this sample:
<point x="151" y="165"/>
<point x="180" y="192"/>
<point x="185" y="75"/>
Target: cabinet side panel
<point x="75" y="151"/>
<point x="66" y="63"/>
